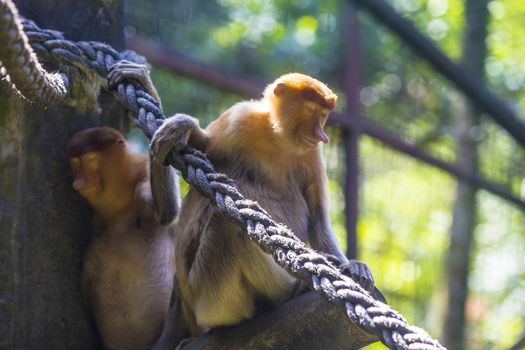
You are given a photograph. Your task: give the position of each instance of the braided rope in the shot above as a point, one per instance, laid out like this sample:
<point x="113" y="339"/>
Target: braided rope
<point x="290" y="252"/>
<point x="25" y="72"/>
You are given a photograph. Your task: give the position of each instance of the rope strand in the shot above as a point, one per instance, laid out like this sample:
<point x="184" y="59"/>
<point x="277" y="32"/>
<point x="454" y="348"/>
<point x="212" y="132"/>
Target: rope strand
<point x="22" y="68"/>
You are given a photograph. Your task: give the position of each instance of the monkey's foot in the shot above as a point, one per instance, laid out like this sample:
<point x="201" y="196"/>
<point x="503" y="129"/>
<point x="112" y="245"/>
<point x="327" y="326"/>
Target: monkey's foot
<point x="360" y="273"/>
<point x="184" y="342"/>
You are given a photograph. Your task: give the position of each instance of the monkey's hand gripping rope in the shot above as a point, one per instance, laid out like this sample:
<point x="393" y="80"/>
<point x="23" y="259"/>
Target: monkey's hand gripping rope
<point x="35" y="84"/>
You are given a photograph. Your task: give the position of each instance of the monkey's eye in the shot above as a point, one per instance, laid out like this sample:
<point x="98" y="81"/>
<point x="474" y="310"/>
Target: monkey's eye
<point x="310" y="107"/>
<point x="75" y="162"/>
<point x="324" y="114"/>
<point x="91" y="156"/>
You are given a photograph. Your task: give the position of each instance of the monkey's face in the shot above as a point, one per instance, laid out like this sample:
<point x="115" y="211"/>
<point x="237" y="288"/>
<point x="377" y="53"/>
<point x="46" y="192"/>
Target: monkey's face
<point x="94" y="154"/>
<point x="302" y="105"/>
<point x="86" y="170"/>
<point x="304" y="125"/>
<point x="312" y="121"/>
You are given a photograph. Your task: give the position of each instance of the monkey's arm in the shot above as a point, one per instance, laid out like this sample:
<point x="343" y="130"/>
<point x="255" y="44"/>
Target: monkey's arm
<point x="320" y="232"/>
<point x="176" y="133"/>
<point x="163" y="180"/>
<point x="165" y="192"/>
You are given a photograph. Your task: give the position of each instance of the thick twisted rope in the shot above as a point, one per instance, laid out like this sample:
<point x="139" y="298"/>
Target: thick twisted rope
<point x="20" y="65"/>
<point x="290" y="252"/>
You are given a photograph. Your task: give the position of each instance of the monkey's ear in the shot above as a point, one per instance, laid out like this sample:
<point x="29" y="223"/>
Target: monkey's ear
<point x="280" y="89"/>
<point x="331" y="100"/>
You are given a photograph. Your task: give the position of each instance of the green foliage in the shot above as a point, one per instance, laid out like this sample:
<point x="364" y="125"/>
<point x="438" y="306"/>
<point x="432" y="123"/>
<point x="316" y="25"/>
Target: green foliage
<point x="405" y="232"/>
<point x="405" y="206"/>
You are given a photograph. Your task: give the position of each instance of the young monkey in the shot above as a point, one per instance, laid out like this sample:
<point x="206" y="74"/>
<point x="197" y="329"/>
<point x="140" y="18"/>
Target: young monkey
<point x="129" y="269"/>
<point x="271" y="148"/>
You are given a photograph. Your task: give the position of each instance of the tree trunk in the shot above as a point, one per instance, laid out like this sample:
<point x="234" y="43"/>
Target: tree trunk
<point x="464" y="212"/>
<point x="45" y="226"/>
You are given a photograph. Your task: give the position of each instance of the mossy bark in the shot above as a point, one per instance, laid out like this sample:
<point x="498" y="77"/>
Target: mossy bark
<point x="44" y="226"/>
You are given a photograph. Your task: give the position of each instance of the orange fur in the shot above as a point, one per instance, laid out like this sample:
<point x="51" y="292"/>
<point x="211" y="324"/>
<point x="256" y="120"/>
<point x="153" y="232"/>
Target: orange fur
<point x="271" y="129"/>
<point x="129" y="268"/>
<point x="271" y="149"/>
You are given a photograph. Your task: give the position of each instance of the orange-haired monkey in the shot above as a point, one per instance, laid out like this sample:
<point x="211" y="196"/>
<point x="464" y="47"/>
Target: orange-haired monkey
<point x="128" y="275"/>
<point x="271" y="149"/>
<point x="129" y="268"/>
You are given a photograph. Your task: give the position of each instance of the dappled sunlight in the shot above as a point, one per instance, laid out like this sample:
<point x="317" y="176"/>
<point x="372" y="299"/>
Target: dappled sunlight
<point x="405" y="206"/>
<point x="403" y="229"/>
<point x="306" y="28"/>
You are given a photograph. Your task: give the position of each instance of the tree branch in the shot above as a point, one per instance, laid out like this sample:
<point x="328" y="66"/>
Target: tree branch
<point x="306" y="322"/>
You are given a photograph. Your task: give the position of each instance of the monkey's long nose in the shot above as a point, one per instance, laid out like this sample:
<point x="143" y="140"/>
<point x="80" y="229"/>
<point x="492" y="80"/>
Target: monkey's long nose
<point x="80" y="182"/>
<point x="320" y="134"/>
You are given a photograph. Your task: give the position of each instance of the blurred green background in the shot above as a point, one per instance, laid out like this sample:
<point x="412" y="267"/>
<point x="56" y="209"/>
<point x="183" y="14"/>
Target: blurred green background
<point x="405" y="206"/>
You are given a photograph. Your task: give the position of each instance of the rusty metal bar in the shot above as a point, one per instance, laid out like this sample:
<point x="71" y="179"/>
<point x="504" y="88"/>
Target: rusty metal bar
<point x="190" y="68"/>
<point x="473" y="87"/>
<point x="377" y="132"/>
<point x="352" y="88"/>
<point x="210" y="75"/>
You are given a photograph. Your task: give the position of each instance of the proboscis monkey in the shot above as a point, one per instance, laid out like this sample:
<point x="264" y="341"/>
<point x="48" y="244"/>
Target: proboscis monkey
<point x="271" y="149"/>
<point x="129" y="269"/>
